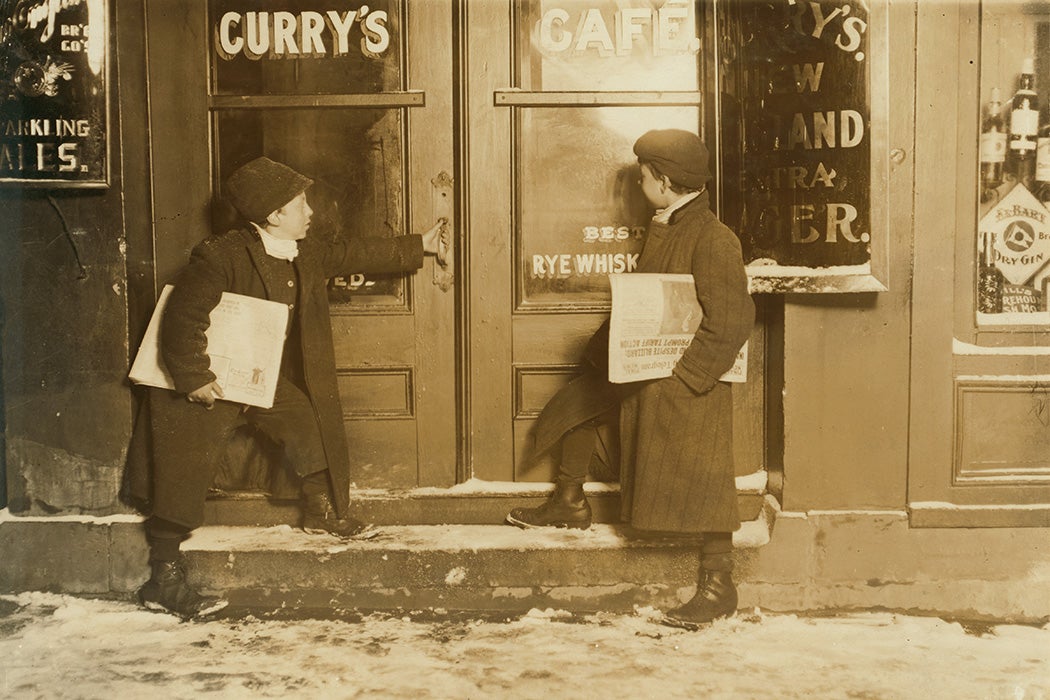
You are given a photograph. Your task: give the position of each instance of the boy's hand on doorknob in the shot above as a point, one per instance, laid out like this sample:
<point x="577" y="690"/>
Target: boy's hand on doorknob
<point x="436" y="240"/>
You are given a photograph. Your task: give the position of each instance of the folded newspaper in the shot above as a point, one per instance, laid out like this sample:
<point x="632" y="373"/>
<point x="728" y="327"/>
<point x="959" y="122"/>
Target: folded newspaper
<point x="654" y="318"/>
<point x="245" y="342"/>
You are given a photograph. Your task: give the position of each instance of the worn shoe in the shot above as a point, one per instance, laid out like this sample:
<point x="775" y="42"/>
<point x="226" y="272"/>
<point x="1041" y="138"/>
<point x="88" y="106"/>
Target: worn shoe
<point x="320" y="518"/>
<point x="167" y="590"/>
<point x="565" y="507"/>
<point x="715" y="598"/>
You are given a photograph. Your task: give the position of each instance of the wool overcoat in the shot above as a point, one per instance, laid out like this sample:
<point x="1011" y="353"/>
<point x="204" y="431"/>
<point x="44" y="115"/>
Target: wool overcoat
<point x="176" y="444"/>
<point x="676" y="433"/>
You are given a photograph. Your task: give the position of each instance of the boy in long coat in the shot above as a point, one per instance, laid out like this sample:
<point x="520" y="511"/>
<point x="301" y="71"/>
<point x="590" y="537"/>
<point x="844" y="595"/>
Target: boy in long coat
<point x="183" y="437"/>
<point x="676" y="447"/>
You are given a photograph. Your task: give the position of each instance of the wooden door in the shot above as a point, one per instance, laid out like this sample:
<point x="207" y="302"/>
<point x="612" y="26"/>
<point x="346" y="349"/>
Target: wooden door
<point x="359" y="99"/>
<point x="555" y="94"/>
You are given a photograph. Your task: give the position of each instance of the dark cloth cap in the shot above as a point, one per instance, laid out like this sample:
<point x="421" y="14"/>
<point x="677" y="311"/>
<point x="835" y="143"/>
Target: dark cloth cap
<point x="678" y="154"/>
<point x="261" y="187"/>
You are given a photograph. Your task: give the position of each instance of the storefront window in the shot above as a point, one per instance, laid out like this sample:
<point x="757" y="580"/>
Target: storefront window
<point x="592" y="76"/>
<point x="599" y="45"/>
<point x="581" y="211"/>
<point x="297" y="47"/>
<point x="802" y="74"/>
<point x="355" y="159"/>
<point x="1013" y="229"/>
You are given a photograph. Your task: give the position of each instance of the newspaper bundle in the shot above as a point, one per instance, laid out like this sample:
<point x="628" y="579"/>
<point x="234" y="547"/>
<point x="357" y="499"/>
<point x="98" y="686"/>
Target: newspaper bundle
<point x="245" y="342"/>
<point x="654" y="318"/>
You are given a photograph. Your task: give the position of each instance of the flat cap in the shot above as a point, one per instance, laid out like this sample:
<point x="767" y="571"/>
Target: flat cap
<point x="262" y="186"/>
<point x="678" y="154"/>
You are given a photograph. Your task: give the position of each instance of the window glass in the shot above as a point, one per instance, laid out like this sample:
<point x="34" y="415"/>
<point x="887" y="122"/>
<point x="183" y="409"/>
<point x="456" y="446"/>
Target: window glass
<point x="608" y="45"/>
<point x="1013" y="227"/>
<point x="300" y="47"/>
<point x="355" y="159"/>
<point x="581" y="211"/>
<point x="802" y="73"/>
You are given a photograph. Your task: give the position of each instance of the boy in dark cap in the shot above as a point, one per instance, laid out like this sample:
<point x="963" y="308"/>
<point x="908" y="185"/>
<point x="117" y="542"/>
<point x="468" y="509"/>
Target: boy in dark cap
<point x="269" y="257"/>
<point x="675" y="443"/>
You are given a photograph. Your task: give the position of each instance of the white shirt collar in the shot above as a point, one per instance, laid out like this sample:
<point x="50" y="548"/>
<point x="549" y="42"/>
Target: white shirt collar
<point x="282" y="248"/>
<point x="663" y="216"/>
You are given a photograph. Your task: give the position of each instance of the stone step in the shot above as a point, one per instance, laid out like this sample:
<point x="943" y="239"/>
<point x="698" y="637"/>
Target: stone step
<point x="451" y="567"/>
<point x="487" y="505"/>
<point x="408" y="568"/>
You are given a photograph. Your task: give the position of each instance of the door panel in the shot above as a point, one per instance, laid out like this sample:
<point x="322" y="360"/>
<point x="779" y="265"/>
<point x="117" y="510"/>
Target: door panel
<point x="359" y="100"/>
<point x="556" y="99"/>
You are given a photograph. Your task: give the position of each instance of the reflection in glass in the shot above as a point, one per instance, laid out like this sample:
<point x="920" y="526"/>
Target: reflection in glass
<point x="581" y="211"/>
<point x="596" y="45"/>
<point x="296" y="47"/>
<point x="1012" y="251"/>
<point x="355" y="159"/>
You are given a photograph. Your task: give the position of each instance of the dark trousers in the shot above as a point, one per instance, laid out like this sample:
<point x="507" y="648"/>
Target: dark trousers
<point x="179" y="428"/>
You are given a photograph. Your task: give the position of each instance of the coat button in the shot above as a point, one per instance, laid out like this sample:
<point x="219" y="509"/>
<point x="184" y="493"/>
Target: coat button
<point x="291" y="306"/>
<point x="291" y="283"/>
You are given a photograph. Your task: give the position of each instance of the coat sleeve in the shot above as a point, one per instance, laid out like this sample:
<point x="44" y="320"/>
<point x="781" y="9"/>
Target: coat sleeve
<point x="183" y="344"/>
<point x="373" y="254"/>
<point x="728" y="311"/>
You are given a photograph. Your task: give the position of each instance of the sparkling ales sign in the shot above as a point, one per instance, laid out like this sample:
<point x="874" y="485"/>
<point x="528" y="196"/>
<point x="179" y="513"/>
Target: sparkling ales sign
<point x="53" y="121"/>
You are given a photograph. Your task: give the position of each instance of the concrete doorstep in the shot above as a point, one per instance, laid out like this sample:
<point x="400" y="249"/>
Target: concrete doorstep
<point x="405" y="567"/>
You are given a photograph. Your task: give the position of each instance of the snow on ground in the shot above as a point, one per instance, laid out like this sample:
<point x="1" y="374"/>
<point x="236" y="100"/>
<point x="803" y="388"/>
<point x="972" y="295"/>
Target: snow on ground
<point x="54" y="646"/>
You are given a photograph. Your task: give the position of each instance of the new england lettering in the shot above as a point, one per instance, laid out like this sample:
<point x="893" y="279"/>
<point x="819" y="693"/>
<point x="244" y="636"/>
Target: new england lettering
<point x="582" y="264"/>
<point x="667" y="28"/>
<point x="289" y="35"/>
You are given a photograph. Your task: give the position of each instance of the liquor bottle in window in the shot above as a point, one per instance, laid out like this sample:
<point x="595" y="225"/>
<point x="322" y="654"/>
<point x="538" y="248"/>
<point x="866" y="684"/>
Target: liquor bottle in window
<point x="993" y="147"/>
<point x="989" y="278"/>
<point x="1042" y="158"/>
<point x="1024" y="126"/>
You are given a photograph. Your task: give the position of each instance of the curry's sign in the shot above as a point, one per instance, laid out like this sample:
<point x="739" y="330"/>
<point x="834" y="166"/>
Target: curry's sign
<point x="306" y="34"/>
<point x="54" y="116"/>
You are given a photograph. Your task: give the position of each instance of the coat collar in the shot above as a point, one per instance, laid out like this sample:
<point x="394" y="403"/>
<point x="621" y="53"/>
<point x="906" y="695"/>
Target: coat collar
<point x="696" y="206"/>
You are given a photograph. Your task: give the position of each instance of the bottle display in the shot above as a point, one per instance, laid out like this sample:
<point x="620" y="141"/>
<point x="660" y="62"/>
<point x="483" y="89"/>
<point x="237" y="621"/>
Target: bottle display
<point x="993" y="147"/>
<point x="1042" y="157"/>
<point x="1013" y="239"/>
<point x="1024" y="126"/>
<point x="989" y="279"/>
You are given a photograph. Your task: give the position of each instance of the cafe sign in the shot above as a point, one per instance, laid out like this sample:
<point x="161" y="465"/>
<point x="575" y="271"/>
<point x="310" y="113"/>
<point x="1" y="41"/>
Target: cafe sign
<point x="54" y="118"/>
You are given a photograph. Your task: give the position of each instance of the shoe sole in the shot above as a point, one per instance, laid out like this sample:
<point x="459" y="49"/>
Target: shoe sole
<point x="157" y="607"/>
<point x="669" y="621"/>
<point x="559" y="525"/>
<point x="369" y="533"/>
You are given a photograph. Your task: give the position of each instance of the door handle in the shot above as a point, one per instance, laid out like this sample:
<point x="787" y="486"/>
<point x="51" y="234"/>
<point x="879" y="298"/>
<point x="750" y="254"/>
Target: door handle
<point x="441" y="205"/>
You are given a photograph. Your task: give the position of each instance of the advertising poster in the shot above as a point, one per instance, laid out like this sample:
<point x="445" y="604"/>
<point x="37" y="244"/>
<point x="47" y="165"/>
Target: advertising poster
<point x="54" y="118"/>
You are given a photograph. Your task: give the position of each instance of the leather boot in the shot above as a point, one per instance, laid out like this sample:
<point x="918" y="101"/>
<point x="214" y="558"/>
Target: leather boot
<point x="167" y="590"/>
<point x="565" y="507"/>
<point x="319" y="518"/>
<point x="715" y="598"/>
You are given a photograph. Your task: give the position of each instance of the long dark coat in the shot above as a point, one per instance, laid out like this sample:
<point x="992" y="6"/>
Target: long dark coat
<point x="676" y="447"/>
<point x="676" y="433"/>
<point x="178" y="443"/>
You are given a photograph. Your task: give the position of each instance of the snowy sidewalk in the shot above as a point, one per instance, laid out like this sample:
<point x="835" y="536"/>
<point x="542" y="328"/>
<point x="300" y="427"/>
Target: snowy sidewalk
<point x="55" y="646"/>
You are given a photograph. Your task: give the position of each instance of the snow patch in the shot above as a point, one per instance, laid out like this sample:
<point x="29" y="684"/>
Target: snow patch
<point x="456" y="576"/>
